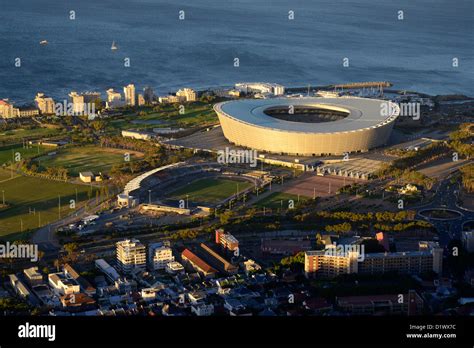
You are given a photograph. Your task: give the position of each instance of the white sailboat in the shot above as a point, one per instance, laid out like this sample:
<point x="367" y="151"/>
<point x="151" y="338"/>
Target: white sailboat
<point x="114" y="46"/>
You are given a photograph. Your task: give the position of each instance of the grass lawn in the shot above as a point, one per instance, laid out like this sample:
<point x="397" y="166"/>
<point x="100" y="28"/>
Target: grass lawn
<point x="16" y="135"/>
<point x="195" y="115"/>
<point x="209" y="191"/>
<point x="87" y="158"/>
<point x="274" y="200"/>
<point x="23" y="194"/>
<point x="7" y="153"/>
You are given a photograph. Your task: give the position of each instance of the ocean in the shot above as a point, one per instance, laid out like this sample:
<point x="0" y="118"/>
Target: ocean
<point x="167" y="53"/>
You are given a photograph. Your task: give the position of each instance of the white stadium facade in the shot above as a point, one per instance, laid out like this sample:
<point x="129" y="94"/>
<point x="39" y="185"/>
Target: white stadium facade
<point x="308" y="126"/>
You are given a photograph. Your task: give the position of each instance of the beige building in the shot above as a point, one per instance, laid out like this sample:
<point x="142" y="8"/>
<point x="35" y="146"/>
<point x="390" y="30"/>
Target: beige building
<point x="327" y="264"/>
<point x="28" y="112"/>
<point x="169" y="99"/>
<point x="83" y="103"/>
<point x="302" y="127"/>
<point x="7" y="110"/>
<point x="114" y="99"/>
<point x="131" y="254"/>
<point x="186" y="94"/>
<point x="45" y="104"/>
<point x="130" y="96"/>
<point x="159" y="255"/>
<point x="140" y="100"/>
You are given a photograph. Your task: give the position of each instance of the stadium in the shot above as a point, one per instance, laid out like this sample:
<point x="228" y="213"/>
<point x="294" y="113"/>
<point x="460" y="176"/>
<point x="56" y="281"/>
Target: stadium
<point x="308" y="126"/>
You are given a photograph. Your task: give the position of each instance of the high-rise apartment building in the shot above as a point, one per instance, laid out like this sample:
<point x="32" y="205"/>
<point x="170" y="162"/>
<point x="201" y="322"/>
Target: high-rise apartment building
<point x="129" y="93"/>
<point x="159" y="255"/>
<point x="45" y="104"/>
<point x="131" y="254"/>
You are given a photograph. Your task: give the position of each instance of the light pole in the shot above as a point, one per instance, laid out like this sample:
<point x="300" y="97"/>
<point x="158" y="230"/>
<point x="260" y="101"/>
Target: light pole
<point x="187" y="201"/>
<point x="149" y="196"/>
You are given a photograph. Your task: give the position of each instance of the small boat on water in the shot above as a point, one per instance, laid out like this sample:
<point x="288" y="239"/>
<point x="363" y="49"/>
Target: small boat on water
<point x="114" y="46"/>
<point x="43" y="43"/>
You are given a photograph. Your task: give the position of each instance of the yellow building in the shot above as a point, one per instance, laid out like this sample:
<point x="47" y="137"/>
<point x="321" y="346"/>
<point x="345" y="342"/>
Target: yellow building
<point x="7" y="110"/>
<point x="44" y="104"/>
<point x="186" y="94"/>
<point x="129" y="92"/>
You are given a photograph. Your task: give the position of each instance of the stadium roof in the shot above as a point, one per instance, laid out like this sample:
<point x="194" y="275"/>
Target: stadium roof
<point x="363" y="113"/>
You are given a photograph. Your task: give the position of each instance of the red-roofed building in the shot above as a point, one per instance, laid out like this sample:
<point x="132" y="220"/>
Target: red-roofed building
<point x="197" y="263"/>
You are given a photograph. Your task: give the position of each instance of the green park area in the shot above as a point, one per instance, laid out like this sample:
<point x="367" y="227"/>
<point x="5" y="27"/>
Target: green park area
<point x="209" y="191"/>
<point x="32" y="202"/>
<point x="17" y="152"/>
<point x="86" y="158"/>
<point x="277" y="200"/>
<point x="20" y="134"/>
<point x="195" y="114"/>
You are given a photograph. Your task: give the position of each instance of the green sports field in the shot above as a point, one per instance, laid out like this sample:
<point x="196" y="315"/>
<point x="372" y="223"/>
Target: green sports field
<point x="274" y="200"/>
<point x="209" y="191"/>
<point x="34" y="202"/>
<point x="17" y="135"/>
<point x="9" y="152"/>
<point x="87" y="158"/>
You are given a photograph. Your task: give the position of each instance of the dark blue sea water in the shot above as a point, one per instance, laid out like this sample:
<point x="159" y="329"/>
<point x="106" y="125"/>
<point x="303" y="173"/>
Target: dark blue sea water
<point x="167" y="53"/>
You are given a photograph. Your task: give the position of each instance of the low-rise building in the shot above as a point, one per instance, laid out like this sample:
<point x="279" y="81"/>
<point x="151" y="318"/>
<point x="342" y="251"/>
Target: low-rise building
<point x="140" y="135"/>
<point x="89" y="177"/>
<point x="198" y="264"/>
<point x="174" y="267"/>
<point x="401" y="304"/>
<point x="7" y="110"/>
<point x="33" y="276"/>
<point x="62" y="284"/>
<point x="186" y="95"/>
<point x="110" y="272"/>
<point x="202" y="309"/>
<point x="28" y="111"/>
<point x="217" y="261"/>
<point x="86" y="287"/>
<point x="20" y="288"/>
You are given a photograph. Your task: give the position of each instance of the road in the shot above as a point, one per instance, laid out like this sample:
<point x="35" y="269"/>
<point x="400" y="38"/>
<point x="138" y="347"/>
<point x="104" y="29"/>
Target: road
<point x="446" y="197"/>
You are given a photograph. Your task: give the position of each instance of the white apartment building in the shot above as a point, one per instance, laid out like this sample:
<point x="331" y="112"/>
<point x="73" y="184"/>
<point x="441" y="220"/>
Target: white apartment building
<point x="202" y="309"/>
<point x="130" y="96"/>
<point x="159" y="255"/>
<point x="44" y="104"/>
<point x="186" y="94"/>
<point x="114" y="99"/>
<point x="63" y="285"/>
<point x="260" y="87"/>
<point x="131" y="254"/>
